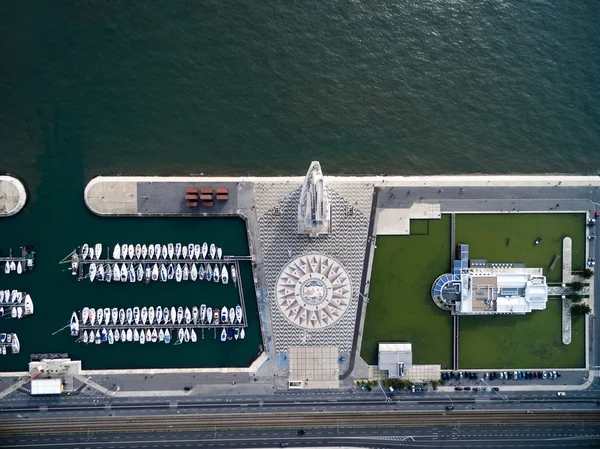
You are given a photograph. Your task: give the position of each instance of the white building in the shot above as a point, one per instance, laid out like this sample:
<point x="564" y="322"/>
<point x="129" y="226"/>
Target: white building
<point x="395" y="358"/>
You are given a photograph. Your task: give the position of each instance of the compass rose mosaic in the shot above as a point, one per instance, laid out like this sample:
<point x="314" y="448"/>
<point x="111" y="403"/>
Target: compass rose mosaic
<point x="313" y="291"/>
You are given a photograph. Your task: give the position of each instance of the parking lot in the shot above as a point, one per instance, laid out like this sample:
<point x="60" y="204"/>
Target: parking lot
<point x="486" y="380"/>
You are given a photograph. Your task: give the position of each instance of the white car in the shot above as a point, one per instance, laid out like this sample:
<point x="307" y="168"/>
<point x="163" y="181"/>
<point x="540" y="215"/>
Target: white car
<point x="544" y="375"/>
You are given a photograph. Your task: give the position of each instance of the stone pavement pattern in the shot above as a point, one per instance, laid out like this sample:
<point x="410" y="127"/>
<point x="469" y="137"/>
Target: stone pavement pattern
<point x="277" y="209"/>
<point x="12" y="196"/>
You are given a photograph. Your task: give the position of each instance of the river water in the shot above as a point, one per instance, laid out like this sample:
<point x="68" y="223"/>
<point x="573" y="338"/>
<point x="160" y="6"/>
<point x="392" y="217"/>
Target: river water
<point x="262" y="88"/>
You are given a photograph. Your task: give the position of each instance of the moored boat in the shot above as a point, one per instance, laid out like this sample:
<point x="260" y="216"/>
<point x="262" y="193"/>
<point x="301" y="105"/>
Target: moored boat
<point x="157" y="251"/>
<point x="187" y="316"/>
<point x="224" y="315"/>
<point x="230" y="334"/>
<point x="164" y="252"/>
<point x="163" y="273"/>
<point x="129" y="315"/>
<point x="92" y="273"/>
<point x="131" y="273"/>
<point x="124" y="273"/>
<point x="209" y="272"/>
<point x="177" y="250"/>
<point x="191" y="251"/>
<point x="103" y="335"/>
<point x="150" y="315"/>
<point x="144" y="314"/>
<point x="204" y="250"/>
<point x="99" y="316"/>
<point x="216" y="274"/>
<point x="136" y="335"/>
<point x="92" y="317"/>
<point x="106" y="316"/>
<point x="180" y="335"/>
<point x="144" y="251"/>
<point x="224" y="334"/>
<point x="170" y="271"/>
<point x="161" y="335"/>
<point x="98" y="251"/>
<point x="142" y="337"/>
<point x="224" y="275"/>
<point x="174" y="315"/>
<point x="195" y="314"/>
<point x="148" y="274"/>
<point x="201" y="272"/>
<point x="136" y="315"/>
<point x="85" y="314"/>
<point x="122" y="316"/>
<point x="116" y="273"/>
<point x="111" y="337"/>
<point x="139" y="271"/>
<point x="219" y="253"/>
<point x="130" y="251"/>
<point x="231" y="315"/>
<point x="242" y="334"/>
<point x="117" y="252"/>
<point x="236" y="333"/>
<point x="100" y="272"/>
<point x="216" y="316"/>
<point x="203" y="313"/>
<point x="209" y="315"/>
<point x="193" y="336"/>
<point x="166" y="315"/>
<point x="74" y="325"/>
<point x="179" y="315"/>
<point x="186" y="335"/>
<point x="124" y="335"/>
<point x="84" y="251"/>
<point x="184" y="252"/>
<point x="193" y="272"/>
<point x="117" y="335"/>
<point x="167" y="336"/>
<point x="138" y="251"/>
<point x="98" y="337"/>
<point x="170" y="251"/>
<point x="85" y="337"/>
<point x="154" y="335"/>
<point x="213" y="250"/>
<point x="178" y="273"/>
<point x="124" y="251"/>
<point x="185" y="273"/>
<point x="129" y="335"/>
<point x="233" y="275"/>
<point x="115" y="315"/>
<point x="197" y="251"/>
<point x="159" y="314"/>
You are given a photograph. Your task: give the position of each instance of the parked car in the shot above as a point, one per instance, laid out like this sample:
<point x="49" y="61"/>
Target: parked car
<point x="458" y="389"/>
<point x="561" y="393"/>
<point x="467" y="388"/>
<point x="591" y="237"/>
<point x="591" y="221"/>
<point x="495" y="389"/>
<point x="544" y="374"/>
<point x="558" y="373"/>
<point x="597" y="214"/>
<point x="449" y="407"/>
<point x="591" y="261"/>
<point x="554" y="376"/>
<point x="475" y="389"/>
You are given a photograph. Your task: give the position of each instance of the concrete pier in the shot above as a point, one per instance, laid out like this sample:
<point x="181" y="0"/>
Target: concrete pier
<point x="12" y="196"/>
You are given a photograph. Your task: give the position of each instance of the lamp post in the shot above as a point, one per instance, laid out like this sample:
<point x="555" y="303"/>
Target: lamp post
<point x="365" y="298"/>
<point x="504" y="398"/>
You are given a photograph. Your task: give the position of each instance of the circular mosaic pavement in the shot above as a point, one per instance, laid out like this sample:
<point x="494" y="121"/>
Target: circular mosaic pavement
<point x="313" y="291"/>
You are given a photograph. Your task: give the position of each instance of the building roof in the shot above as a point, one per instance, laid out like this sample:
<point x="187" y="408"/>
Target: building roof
<point x="46" y="386"/>
<point x="393" y="354"/>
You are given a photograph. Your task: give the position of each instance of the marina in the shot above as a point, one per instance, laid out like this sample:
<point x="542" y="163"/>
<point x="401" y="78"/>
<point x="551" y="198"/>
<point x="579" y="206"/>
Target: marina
<point x="19" y="264"/>
<point x="15" y="304"/>
<point x="9" y="343"/>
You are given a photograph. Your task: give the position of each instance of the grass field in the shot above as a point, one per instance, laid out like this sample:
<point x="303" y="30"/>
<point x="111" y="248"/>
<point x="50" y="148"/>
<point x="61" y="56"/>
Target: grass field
<point x="511" y="237"/>
<point x="529" y="341"/>
<point x="400" y="307"/>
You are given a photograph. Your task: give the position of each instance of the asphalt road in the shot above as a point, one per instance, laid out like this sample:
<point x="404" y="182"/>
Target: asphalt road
<point x="455" y="436"/>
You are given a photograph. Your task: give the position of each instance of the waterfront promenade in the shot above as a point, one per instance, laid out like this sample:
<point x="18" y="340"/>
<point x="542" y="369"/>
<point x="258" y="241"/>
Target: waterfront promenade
<point x="12" y="196"/>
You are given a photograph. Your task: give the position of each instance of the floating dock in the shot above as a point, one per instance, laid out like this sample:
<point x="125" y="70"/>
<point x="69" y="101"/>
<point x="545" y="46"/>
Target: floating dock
<point x="26" y="259"/>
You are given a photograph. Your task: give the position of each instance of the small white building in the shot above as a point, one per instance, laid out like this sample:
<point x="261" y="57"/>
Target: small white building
<point x="395" y="358"/>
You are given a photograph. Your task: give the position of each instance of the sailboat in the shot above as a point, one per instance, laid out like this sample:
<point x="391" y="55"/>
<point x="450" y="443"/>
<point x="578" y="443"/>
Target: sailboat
<point x="144" y="314"/>
<point x="98" y="251"/>
<point x="7" y="267"/>
<point x="131" y="273"/>
<point x="91" y="253"/>
<point x="115" y="315"/>
<point x="224" y="315"/>
<point x="74" y="325"/>
<point x="13" y="266"/>
<point x="208" y="272"/>
<point x="219" y="253"/>
<point x="193" y="336"/>
<point x="161" y="335"/>
<point x="201" y="272"/>
<point x="224" y="275"/>
<point x="170" y="251"/>
<point x="136" y="315"/>
<point x="166" y="315"/>
<point x="142" y="337"/>
<point x="173" y="315"/>
<point x="180" y="336"/>
<point x="170" y="271"/>
<point x="157" y="250"/>
<point x="84" y="251"/>
<point x="184" y="252"/>
<point x="179" y="315"/>
<point x="163" y="273"/>
<point x="148" y="274"/>
<point x="139" y="272"/>
<point x="202" y="313"/>
<point x="145" y="251"/>
<point x="187" y="316"/>
<point x="185" y="272"/>
<point x="108" y="273"/>
<point x="98" y="338"/>
<point x="106" y="315"/>
<point x="92" y="274"/>
<point x="103" y="335"/>
<point x="191" y="252"/>
<point x="122" y="316"/>
<point x="130" y="335"/>
<point x="238" y="313"/>
<point x="178" y="273"/>
<point x="159" y="314"/>
<point x="165" y="252"/>
<point x="195" y="314"/>
<point x="138" y="251"/>
<point x="85" y="337"/>
<point x="154" y="335"/>
<point x="148" y="335"/>
<point x="116" y="273"/>
<point x="111" y="336"/>
<point x="204" y="250"/>
<point x="224" y="335"/>
<point x="216" y="316"/>
<point x="117" y="252"/>
<point x="130" y="251"/>
<point x="236" y="333"/>
<point x="129" y="315"/>
<point x="232" y="315"/>
<point x="124" y="251"/>
<point x="242" y="334"/>
<point x="233" y="275"/>
<point x="216" y="274"/>
<point x="117" y="335"/>
<point x="136" y="335"/>
<point x="92" y="318"/>
<point x="230" y="334"/>
<point x="85" y="313"/>
<point x="186" y="335"/>
<point x="123" y="273"/>
<point x="100" y="316"/>
<point x="197" y="251"/>
<point x="155" y="272"/>
<point x="209" y="315"/>
<point x="167" y="336"/>
<point x="124" y="335"/>
<point x="177" y="250"/>
<point x="150" y="315"/>
<point x="213" y="250"/>
<point x="193" y="272"/>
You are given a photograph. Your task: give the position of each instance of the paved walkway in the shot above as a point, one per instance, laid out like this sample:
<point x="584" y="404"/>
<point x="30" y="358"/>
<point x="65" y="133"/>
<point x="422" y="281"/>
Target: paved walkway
<point x="12" y="196"/>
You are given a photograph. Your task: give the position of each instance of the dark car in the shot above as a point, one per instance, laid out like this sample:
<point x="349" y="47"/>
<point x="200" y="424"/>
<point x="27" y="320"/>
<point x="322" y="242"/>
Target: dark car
<point x="301" y="432"/>
<point x="458" y="389"/>
<point x="467" y="388"/>
<point x="475" y="389"/>
<point x="495" y="389"/>
<point x="471" y="375"/>
<point x="449" y="407"/>
<point x="476" y="375"/>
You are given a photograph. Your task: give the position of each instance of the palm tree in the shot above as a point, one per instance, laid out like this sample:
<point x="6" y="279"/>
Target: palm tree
<point x="580" y="309"/>
<point x="576" y="285"/>
<point x="587" y="273"/>
<point x="575" y="297"/>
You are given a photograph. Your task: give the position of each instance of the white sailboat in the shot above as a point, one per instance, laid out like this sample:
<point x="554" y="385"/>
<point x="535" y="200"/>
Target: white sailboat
<point x="116" y="273"/>
<point x="242" y="334"/>
<point x="193" y="272"/>
<point x="233" y="275"/>
<point x="136" y="315"/>
<point x="180" y="336"/>
<point x="161" y="335"/>
<point x="193" y="336"/>
<point x="91" y="253"/>
<point x="159" y="314"/>
<point x="138" y="251"/>
<point x="117" y="252"/>
<point x="174" y="315"/>
<point x="130" y="251"/>
<point x="191" y="252"/>
<point x="115" y="315"/>
<point x="136" y="335"/>
<point x="7" y="267"/>
<point x="84" y="251"/>
<point x="184" y="252"/>
<point x="129" y="315"/>
<point x="213" y="250"/>
<point x="187" y="316"/>
<point x="92" y="273"/>
<point x="148" y="335"/>
<point x="100" y="272"/>
<point x="85" y="314"/>
<point x="224" y="275"/>
<point x="163" y="273"/>
<point x="130" y="335"/>
<point x="148" y="274"/>
<point x="131" y="273"/>
<point x="219" y="253"/>
<point x="186" y="335"/>
<point x="166" y="315"/>
<point x="99" y="316"/>
<point x="157" y="250"/>
<point x="170" y="250"/>
<point x="236" y="333"/>
<point x="98" y="251"/>
<point x="124" y="335"/>
<point x="144" y="314"/>
<point x="139" y="272"/>
<point x="74" y="325"/>
<point x="195" y="314"/>
<point x="197" y="251"/>
<point x="167" y="336"/>
<point x="142" y="337"/>
<point x="201" y="272"/>
<point x="144" y="251"/>
<point x="155" y="272"/>
<point x="203" y="313"/>
<point x="107" y="316"/>
<point x="179" y="315"/>
<point x="92" y="317"/>
<point x="85" y="337"/>
<point x="154" y="336"/>
<point x="178" y="273"/>
<point x="204" y="250"/>
<point x="209" y="315"/>
<point x="165" y="252"/>
<point x="123" y="273"/>
<point x="122" y="316"/>
<point x="209" y="272"/>
<point x="238" y="313"/>
<point x="177" y="250"/>
<point x="124" y="251"/>
<point x="117" y="335"/>
<point x="216" y="274"/>
<point x="150" y="315"/>
<point x="185" y="272"/>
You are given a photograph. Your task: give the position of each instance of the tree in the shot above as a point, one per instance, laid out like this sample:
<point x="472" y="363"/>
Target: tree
<point x="576" y="285"/>
<point x="580" y="309"/>
<point x="587" y="273"/>
<point x="575" y="297"/>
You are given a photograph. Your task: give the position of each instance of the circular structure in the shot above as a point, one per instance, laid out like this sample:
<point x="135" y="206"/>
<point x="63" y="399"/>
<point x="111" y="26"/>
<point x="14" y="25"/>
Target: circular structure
<point x="313" y="291"/>
<point x="12" y="196"/>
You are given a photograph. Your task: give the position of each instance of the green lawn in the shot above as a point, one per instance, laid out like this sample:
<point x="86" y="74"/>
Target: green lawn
<point x="511" y="237"/>
<point x="524" y="341"/>
<point x="400" y="307"/>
